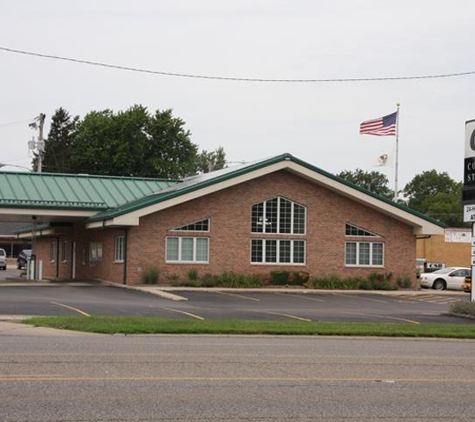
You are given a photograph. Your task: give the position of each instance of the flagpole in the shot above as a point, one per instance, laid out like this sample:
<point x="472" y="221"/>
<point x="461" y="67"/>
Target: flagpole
<point x="396" y="164"/>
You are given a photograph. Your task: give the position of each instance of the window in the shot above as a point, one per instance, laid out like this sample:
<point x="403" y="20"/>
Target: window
<point x="198" y="226"/>
<point x="187" y="249"/>
<point x="95" y="251"/>
<point x="351" y="230"/>
<point x="278" y="215"/>
<point x="119" y="249"/>
<point x="270" y="251"/>
<point x="64" y="246"/>
<point x="52" y="251"/>
<point x="364" y="254"/>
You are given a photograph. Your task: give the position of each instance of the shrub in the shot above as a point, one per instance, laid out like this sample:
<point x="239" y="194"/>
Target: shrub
<point x="232" y="279"/>
<point x="280" y="278"/>
<point x="174" y="279"/>
<point x="374" y="281"/>
<point x="150" y="276"/>
<point x="404" y="282"/>
<point x="292" y="278"/>
<point x="208" y="280"/>
<point x="465" y="308"/>
<point x="193" y="274"/>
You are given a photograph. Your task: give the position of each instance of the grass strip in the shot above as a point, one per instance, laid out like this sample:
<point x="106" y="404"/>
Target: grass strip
<point x="158" y="325"/>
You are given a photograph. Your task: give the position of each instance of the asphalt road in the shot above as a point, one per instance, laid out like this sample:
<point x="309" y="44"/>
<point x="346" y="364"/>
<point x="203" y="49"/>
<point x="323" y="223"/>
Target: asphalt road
<point x="52" y="376"/>
<point x="87" y="299"/>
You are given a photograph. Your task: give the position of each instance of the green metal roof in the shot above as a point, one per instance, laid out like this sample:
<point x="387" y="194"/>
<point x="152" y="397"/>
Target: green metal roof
<point x="201" y="181"/>
<point x="70" y="191"/>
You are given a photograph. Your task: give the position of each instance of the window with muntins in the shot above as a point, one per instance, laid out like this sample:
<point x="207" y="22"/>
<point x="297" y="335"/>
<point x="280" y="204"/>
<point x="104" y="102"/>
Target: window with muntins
<point x="278" y="215"/>
<point x="277" y="251"/>
<point x="119" y="249"/>
<point x="95" y="252"/>
<point x="351" y="230"/>
<point x="198" y="226"/>
<point x="364" y="254"/>
<point x="187" y="249"/>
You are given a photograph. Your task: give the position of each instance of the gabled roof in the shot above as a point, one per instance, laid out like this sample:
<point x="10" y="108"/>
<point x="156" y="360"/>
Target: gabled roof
<point x="197" y="186"/>
<point x="122" y="201"/>
<point x="73" y="192"/>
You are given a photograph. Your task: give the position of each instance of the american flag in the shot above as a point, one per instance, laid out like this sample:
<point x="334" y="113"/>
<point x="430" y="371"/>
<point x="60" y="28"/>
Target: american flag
<point x="383" y="126"/>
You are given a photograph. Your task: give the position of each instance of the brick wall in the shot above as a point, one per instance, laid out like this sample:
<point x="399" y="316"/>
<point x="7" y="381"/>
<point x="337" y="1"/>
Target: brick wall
<point x="436" y="250"/>
<point x="230" y="236"/>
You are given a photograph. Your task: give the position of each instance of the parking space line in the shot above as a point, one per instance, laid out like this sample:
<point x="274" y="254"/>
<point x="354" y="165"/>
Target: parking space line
<point x="359" y="297"/>
<point x="300" y="296"/>
<point x="410" y="321"/>
<point x="285" y="315"/>
<point x="183" y="312"/>
<point x="239" y="296"/>
<point x="72" y="308"/>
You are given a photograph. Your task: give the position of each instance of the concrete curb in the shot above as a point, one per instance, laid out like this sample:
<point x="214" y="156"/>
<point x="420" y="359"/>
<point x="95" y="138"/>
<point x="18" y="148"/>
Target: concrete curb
<point x="146" y="289"/>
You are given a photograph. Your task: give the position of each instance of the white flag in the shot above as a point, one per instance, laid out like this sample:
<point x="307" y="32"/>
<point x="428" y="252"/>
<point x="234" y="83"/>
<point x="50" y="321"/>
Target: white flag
<point x="382" y="161"/>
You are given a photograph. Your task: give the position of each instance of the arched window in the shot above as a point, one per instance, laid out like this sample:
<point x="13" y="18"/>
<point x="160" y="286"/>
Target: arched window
<point x="278" y="215"/>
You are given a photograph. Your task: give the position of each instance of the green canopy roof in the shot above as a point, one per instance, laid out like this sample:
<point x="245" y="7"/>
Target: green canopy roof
<point x="68" y="191"/>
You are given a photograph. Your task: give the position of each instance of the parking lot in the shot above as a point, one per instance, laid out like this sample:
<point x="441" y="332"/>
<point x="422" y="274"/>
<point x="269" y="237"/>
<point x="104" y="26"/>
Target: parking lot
<point x="91" y="299"/>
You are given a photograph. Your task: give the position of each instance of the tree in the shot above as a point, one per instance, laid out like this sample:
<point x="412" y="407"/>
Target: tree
<point x="59" y="143"/>
<point x="133" y="142"/>
<point x="436" y="195"/>
<point x="214" y="160"/>
<point x="373" y="181"/>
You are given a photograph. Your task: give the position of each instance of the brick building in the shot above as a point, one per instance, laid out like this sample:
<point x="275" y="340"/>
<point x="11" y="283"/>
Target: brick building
<point x="275" y="214"/>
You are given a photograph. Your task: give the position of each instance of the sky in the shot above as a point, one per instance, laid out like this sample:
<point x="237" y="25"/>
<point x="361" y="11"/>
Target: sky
<point x="298" y="39"/>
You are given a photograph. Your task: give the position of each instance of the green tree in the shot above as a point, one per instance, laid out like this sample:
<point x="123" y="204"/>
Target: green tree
<point x="373" y="181"/>
<point x="133" y="142"/>
<point x="436" y="195"/>
<point x="59" y="144"/>
<point x="214" y="160"/>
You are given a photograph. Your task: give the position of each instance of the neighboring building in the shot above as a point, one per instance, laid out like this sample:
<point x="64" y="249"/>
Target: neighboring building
<point x="9" y="240"/>
<point x="276" y="214"/>
<point x="450" y="249"/>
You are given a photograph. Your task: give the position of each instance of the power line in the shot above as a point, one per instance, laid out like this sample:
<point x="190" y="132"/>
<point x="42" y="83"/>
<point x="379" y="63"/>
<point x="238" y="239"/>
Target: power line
<point x="236" y="79"/>
<point x="17" y="122"/>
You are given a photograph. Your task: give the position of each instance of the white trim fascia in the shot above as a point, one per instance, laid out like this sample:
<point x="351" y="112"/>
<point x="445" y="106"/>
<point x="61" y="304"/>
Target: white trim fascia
<point x="420" y="225"/>
<point x="46" y="212"/>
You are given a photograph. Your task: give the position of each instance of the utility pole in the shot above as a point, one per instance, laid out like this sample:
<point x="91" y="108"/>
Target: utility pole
<point x="40" y="145"/>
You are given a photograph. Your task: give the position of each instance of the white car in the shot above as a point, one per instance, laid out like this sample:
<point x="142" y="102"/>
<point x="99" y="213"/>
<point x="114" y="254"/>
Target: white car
<point x="445" y="278"/>
<point x="3" y="259"/>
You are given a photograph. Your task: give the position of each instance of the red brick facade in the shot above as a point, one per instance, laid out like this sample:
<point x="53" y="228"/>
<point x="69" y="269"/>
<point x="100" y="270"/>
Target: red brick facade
<point x="230" y="235"/>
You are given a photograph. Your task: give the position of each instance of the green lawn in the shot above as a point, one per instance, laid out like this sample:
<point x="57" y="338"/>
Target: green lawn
<point x="156" y="325"/>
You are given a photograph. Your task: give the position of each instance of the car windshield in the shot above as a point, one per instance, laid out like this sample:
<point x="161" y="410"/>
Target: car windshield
<point x="444" y="270"/>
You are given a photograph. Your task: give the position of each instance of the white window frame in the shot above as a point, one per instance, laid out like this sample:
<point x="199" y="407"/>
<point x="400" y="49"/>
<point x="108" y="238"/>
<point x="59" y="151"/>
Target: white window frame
<point x="371" y="254"/>
<point x="180" y="252"/>
<point x="64" y="245"/>
<point x="96" y="252"/>
<point x="53" y="251"/>
<point x="292" y="216"/>
<point x="277" y="262"/>
<point x="180" y="229"/>
<point x="119" y="249"/>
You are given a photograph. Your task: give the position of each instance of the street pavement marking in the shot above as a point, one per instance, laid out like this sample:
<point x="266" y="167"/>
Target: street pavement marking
<point x="359" y="297"/>
<point x="183" y="312"/>
<point x="273" y="379"/>
<point x="300" y="296"/>
<point x="73" y="309"/>
<point x="285" y="315"/>
<point x="239" y="296"/>
<point x="382" y="316"/>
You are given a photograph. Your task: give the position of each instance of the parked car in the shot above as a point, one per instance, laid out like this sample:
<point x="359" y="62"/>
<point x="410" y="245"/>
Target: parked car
<point x="3" y="259"/>
<point x="23" y="258"/>
<point x="467" y="284"/>
<point x="445" y="278"/>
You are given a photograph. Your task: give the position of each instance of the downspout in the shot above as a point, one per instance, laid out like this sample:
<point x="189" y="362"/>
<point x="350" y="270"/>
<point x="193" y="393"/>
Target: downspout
<point x="124" y="276"/>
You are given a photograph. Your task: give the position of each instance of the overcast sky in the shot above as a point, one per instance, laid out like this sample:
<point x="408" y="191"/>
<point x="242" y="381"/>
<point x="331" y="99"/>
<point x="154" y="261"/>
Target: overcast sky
<point x="298" y="39"/>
